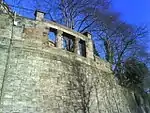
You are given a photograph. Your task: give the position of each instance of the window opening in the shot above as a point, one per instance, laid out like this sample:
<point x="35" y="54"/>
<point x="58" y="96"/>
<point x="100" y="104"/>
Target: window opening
<point x="68" y="42"/>
<point x="52" y="35"/>
<point x="82" y="48"/>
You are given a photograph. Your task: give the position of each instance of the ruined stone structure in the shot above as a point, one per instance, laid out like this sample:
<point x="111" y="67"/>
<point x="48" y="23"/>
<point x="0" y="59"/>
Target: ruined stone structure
<point x="38" y="75"/>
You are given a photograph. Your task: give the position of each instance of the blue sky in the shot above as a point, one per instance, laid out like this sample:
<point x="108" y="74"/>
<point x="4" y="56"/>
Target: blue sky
<point x="132" y="11"/>
<point x="135" y="12"/>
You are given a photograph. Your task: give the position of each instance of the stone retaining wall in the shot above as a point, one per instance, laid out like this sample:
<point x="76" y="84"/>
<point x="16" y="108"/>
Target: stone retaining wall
<point x="35" y="78"/>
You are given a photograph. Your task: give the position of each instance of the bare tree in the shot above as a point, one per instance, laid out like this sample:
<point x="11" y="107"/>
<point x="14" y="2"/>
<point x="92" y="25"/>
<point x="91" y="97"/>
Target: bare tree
<point x="77" y="14"/>
<point x="119" y="38"/>
<point x="80" y="89"/>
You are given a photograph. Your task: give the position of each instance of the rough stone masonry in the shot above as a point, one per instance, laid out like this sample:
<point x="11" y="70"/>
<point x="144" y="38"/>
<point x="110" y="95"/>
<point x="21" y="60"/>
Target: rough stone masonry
<point x="39" y="76"/>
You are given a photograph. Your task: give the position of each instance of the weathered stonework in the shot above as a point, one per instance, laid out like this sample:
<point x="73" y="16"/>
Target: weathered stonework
<point x="35" y="78"/>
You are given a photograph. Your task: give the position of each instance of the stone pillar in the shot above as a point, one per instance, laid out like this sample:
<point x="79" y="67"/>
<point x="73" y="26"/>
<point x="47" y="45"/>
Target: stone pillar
<point x="76" y="46"/>
<point x="89" y="46"/>
<point x="2" y="7"/>
<point x="59" y="39"/>
<point x="39" y="15"/>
